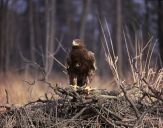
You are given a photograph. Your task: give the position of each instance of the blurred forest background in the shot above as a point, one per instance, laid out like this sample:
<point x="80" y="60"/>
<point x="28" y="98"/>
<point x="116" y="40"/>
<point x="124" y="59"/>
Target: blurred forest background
<point x="41" y="31"/>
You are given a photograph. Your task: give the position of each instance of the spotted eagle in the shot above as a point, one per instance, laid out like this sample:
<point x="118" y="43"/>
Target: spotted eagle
<point x="80" y="64"/>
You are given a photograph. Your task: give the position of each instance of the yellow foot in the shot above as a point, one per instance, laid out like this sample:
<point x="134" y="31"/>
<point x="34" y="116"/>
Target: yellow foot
<point x="74" y="87"/>
<point x="88" y="89"/>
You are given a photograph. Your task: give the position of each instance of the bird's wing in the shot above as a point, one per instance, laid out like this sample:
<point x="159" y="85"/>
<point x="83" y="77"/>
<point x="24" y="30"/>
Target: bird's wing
<point x="91" y="56"/>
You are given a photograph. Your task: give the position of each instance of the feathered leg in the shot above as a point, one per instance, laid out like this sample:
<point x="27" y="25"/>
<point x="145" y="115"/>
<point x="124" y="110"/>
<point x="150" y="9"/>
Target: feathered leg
<point x="73" y="81"/>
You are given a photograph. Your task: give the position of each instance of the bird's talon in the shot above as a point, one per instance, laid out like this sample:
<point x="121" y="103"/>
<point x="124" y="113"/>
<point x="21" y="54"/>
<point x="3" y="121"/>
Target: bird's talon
<point x="74" y="87"/>
<point x="88" y="89"/>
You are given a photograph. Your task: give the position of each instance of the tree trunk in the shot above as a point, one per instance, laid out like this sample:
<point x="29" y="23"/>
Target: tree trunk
<point x="50" y="34"/>
<point x="1" y="45"/>
<point x="146" y="23"/>
<point x="86" y="7"/>
<point x="31" y="30"/>
<point x="3" y="38"/>
<point x="119" y="35"/>
<point x="160" y="27"/>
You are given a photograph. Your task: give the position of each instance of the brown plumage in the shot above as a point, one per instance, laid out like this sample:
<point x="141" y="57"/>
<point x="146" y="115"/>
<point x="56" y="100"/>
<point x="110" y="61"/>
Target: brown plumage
<point x="80" y="64"/>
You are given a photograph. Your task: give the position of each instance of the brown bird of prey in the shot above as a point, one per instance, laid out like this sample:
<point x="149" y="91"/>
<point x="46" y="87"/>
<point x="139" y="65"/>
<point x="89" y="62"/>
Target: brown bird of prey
<point x="80" y="64"/>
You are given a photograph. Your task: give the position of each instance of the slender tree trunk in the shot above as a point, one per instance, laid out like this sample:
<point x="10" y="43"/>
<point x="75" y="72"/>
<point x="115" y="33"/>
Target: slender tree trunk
<point x="31" y="28"/>
<point x="4" y="48"/>
<point x="160" y="27"/>
<point x="119" y="35"/>
<point x="146" y="24"/>
<point x="1" y="21"/>
<point x="100" y="51"/>
<point x="7" y="41"/>
<point x="86" y="7"/>
<point x="50" y="34"/>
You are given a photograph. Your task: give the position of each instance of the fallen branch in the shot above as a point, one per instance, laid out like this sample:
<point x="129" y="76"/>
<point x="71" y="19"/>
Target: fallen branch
<point x="131" y="102"/>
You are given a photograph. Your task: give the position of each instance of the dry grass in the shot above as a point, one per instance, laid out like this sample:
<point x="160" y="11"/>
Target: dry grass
<point x="20" y="91"/>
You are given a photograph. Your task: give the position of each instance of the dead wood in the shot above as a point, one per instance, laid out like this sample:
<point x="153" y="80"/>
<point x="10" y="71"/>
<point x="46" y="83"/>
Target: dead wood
<point x="77" y="108"/>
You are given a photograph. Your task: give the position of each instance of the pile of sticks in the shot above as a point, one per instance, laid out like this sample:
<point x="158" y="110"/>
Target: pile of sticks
<point x="96" y="108"/>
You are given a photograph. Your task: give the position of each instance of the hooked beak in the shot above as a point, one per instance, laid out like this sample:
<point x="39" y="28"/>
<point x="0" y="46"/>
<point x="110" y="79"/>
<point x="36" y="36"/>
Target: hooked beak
<point x="74" y="43"/>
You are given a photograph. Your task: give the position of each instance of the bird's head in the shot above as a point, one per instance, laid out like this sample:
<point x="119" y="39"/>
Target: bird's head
<point x="78" y="43"/>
